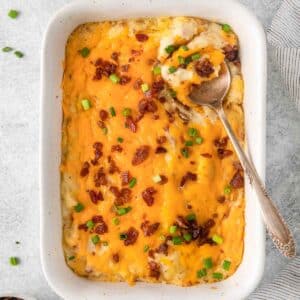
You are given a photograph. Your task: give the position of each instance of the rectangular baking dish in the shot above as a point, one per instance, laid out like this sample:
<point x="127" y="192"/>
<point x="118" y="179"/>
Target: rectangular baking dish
<point x="253" y="58"/>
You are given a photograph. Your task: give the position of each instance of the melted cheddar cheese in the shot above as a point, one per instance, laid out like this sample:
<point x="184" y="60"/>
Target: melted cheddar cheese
<point x="146" y="195"/>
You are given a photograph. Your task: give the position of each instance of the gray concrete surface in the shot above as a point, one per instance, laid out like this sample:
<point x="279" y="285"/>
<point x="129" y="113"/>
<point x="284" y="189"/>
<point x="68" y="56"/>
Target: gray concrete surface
<point x="19" y="127"/>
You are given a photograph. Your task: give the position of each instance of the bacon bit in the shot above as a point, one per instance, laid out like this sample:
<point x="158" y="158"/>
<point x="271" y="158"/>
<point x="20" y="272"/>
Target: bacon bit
<point x="112" y="166"/>
<point x="141" y="37"/>
<point x="222" y="153"/>
<point x="182" y="222"/>
<point x="147" y="195"/>
<point x="124" y="68"/>
<point x="125" y="177"/>
<point x="149" y="229"/>
<point x="192" y="162"/>
<point x="237" y="180"/>
<point x="164" y="179"/>
<point x="101" y="228"/>
<point x="97" y="219"/>
<point x="207" y="155"/>
<point x="137" y="84"/>
<point x="130" y="123"/>
<point x="154" y="269"/>
<point x="124" y="79"/>
<point x="117" y="148"/>
<point x="136" y="52"/>
<point x="140" y="155"/>
<point x="157" y="86"/>
<point x="186" y="177"/>
<point x="209" y="223"/>
<point x="85" y="169"/>
<point x="115" y="56"/>
<point x="116" y="258"/>
<point x="161" y="139"/>
<point x="103" y="114"/>
<point x="151" y="253"/>
<point x="132" y="235"/>
<point x="231" y="52"/>
<point x="204" y="67"/>
<point x="104" y="68"/>
<point x="159" y="150"/>
<point x="101" y="124"/>
<point x="146" y="105"/>
<point x="83" y="227"/>
<point x="162" y="248"/>
<point x="100" y="178"/>
<point x="98" y="152"/>
<point x="221" y="142"/>
<point x="221" y="199"/>
<point x="98" y="74"/>
<point x="122" y="196"/>
<point x="237" y="165"/>
<point x="171" y="116"/>
<point x="155" y="117"/>
<point x="95" y="197"/>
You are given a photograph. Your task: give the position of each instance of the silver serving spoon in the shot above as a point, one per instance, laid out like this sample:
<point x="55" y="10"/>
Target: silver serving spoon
<point x="212" y="93"/>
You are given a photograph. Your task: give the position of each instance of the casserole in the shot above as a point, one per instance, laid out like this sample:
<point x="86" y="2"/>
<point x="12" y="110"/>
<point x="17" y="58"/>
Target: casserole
<point x="59" y="276"/>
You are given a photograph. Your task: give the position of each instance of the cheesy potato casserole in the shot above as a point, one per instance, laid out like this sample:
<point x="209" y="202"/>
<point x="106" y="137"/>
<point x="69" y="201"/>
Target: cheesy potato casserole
<point x="151" y="188"/>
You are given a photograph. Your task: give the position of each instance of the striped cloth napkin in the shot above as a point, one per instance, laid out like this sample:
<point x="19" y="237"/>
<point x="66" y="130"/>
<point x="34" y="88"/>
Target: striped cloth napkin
<point x="284" y="39"/>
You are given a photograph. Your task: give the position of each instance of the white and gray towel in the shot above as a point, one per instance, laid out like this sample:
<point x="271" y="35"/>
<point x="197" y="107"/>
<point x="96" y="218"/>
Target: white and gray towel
<point x="284" y="39"/>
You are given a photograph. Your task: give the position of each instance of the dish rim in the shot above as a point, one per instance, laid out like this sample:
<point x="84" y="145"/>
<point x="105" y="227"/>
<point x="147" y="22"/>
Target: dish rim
<point x="65" y="13"/>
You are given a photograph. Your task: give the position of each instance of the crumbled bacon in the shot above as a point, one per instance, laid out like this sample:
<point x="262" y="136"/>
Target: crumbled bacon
<point x="149" y="229"/>
<point x="164" y="179"/>
<point x="85" y="169"/>
<point x="156" y="88"/>
<point x="125" y="177"/>
<point x="221" y="199"/>
<point x="209" y="223"/>
<point x="115" y="56"/>
<point x="204" y="67"/>
<point x="117" y="148"/>
<point x="95" y="196"/>
<point x="131" y="236"/>
<point x="161" y="139"/>
<point x="103" y="114"/>
<point x="104" y="68"/>
<point x="136" y="52"/>
<point x="140" y="155"/>
<point x="221" y="142"/>
<point x="137" y="84"/>
<point x="116" y="258"/>
<point x="131" y="124"/>
<point x="122" y="196"/>
<point x="98" y="152"/>
<point x="113" y="168"/>
<point x="83" y="227"/>
<point x="124" y="79"/>
<point x="100" y="178"/>
<point x="186" y="177"/>
<point x="231" y="52"/>
<point x="237" y="180"/>
<point x="147" y="105"/>
<point x="101" y="227"/>
<point x="160" y="149"/>
<point x="124" y="68"/>
<point x="151" y="253"/>
<point x="154" y="269"/>
<point x="147" y="195"/>
<point x="206" y="155"/>
<point x="97" y="219"/>
<point x="222" y="153"/>
<point x="237" y="165"/>
<point x="162" y="248"/>
<point x="141" y="37"/>
<point x="171" y="116"/>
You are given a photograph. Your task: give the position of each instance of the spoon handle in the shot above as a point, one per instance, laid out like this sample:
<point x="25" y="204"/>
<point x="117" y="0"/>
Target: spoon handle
<point x="276" y="226"/>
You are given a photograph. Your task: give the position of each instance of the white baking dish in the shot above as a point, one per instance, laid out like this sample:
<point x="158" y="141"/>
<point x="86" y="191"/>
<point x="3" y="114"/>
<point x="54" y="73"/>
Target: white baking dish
<point x="253" y="56"/>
